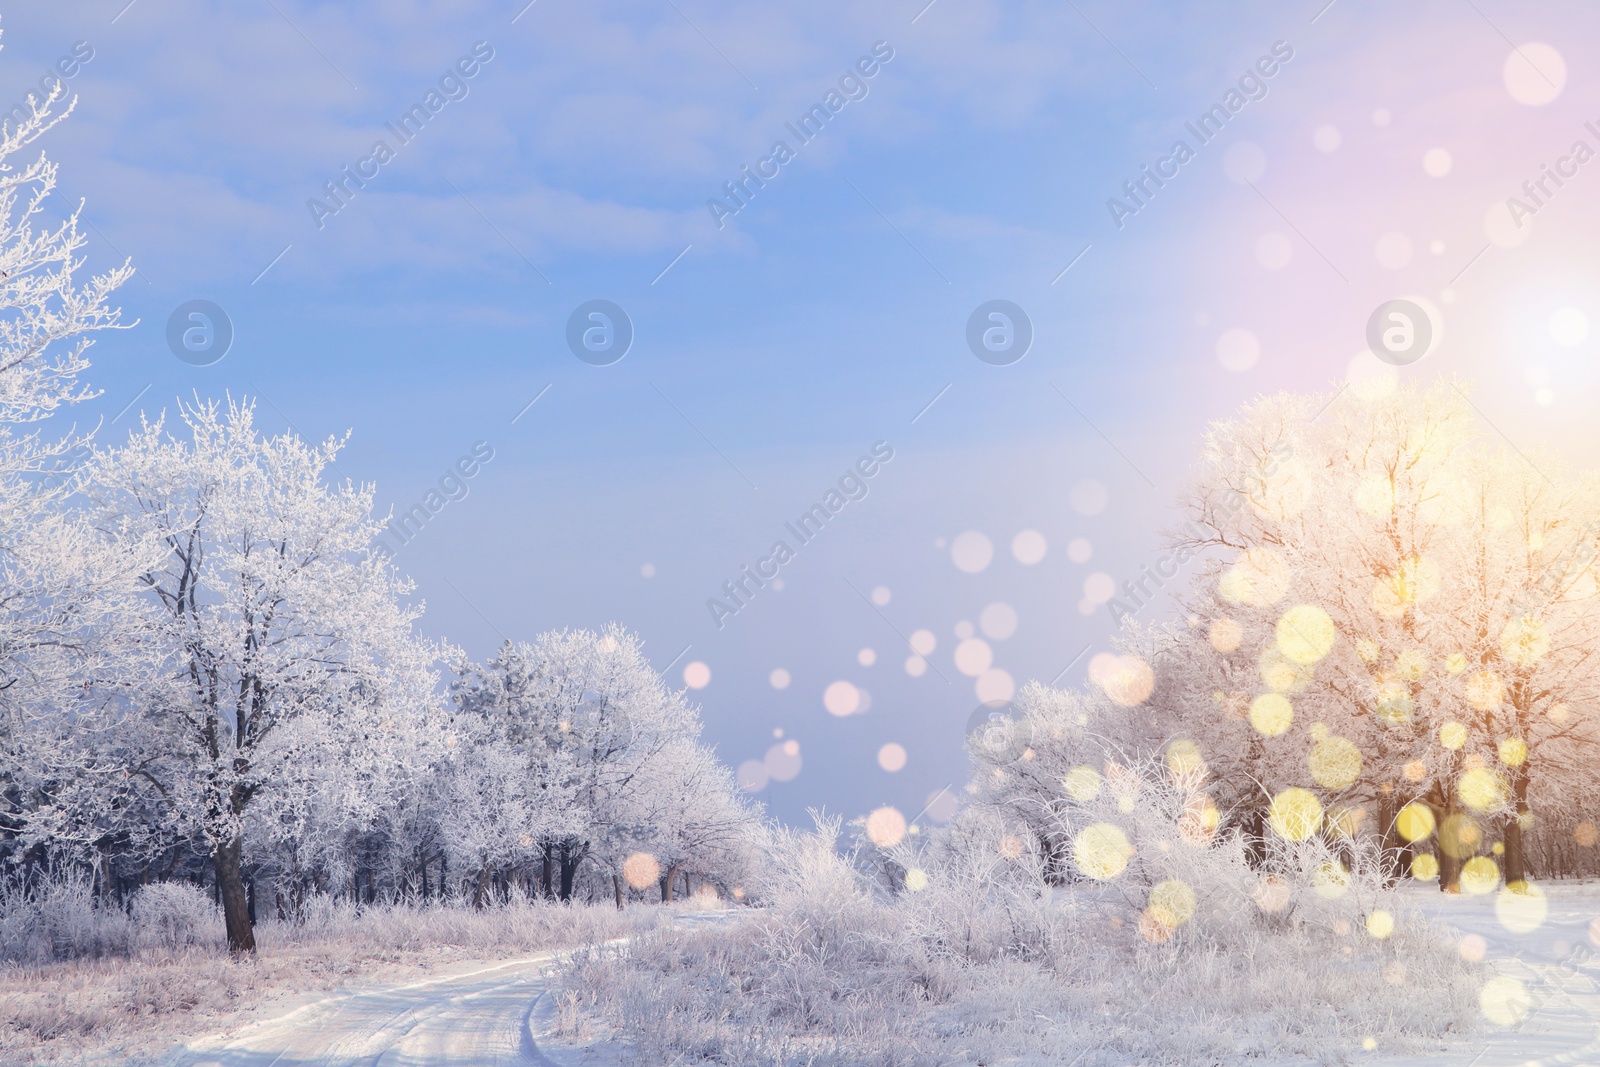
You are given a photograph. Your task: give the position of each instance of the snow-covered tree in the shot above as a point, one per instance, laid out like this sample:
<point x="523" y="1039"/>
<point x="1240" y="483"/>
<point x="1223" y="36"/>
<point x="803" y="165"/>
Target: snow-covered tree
<point x="606" y="762"/>
<point x="57" y="579"/>
<point x="285" y="652"/>
<point x="1392" y="609"/>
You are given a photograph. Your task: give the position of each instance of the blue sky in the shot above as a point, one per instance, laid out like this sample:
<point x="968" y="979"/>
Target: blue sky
<point x="426" y="314"/>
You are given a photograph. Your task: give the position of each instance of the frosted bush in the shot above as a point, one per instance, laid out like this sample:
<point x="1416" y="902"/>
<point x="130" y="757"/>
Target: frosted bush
<point x="57" y="917"/>
<point x="1126" y="925"/>
<point x="175" y="915"/>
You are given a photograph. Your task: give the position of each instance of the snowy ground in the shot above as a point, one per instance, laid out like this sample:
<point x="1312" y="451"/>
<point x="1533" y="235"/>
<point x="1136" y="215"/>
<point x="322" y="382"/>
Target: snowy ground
<point x="1555" y="1016"/>
<point x="505" y="1012"/>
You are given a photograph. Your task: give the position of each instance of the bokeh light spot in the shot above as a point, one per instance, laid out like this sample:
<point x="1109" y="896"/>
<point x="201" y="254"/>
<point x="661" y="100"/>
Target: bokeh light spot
<point x="886" y="827"/>
<point x="1271" y="714"/>
<point x="1295" y="813"/>
<point x="1029" y="547"/>
<point x="1534" y="74"/>
<point x="1101" y="851"/>
<point x="841" y="698"/>
<point x="971" y="552"/>
<point x="1238" y="349"/>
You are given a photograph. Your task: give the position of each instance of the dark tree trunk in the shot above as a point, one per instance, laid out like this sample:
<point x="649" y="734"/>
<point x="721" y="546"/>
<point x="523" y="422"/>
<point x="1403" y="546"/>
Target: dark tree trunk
<point x="616" y="884"/>
<point x="546" y="873"/>
<point x="480" y="890"/>
<point x="569" y="860"/>
<point x="1516" y="856"/>
<point x="1388" y="841"/>
<point x="1255" y="839"/>
<point x="235" y="905"/>
<point x="666" y="884"/>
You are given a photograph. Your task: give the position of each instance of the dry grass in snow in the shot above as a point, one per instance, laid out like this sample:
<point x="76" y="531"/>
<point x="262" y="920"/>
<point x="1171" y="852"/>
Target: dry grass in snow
<point x="136" y="989"/>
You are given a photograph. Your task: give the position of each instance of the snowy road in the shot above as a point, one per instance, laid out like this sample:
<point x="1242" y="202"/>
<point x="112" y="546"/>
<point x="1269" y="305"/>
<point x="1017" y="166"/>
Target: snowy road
<point x="480" y="1017"/>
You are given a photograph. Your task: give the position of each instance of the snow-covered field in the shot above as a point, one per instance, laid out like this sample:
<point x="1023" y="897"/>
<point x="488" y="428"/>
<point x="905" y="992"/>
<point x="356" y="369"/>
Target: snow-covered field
<point x="509" y="1011"/>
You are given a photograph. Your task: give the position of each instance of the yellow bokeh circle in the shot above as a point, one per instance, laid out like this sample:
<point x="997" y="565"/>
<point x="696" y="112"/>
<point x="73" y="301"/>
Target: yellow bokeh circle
<point x="1082" y="784"/>
<point x="1330" y="881"/>
<point x="1335" y="763"/>
<point x="1460" y="836"/>
<point x="1452" y="735"/>
<point x="1101" y="851"/>
<point x="1380" y="924"/>
<point x="1521" y="907"/>
<point x="1295" y="813"/>
<point x="1424" y="867"/>
<point x="1415" y="822"/>
<point x="1271" y="714"/>
<point x="1481" y="789"/>
<point x="1305" y="634"/>
<point x="1172" y="903"/>
<point x="1479" y="875"/>
<point x="1504" y="1000"/>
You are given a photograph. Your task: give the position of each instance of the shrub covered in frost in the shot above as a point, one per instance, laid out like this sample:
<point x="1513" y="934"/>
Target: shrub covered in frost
<point x="57" y="917"/>
<point x="1135" y="927"/>
<point x="175" y="915"/>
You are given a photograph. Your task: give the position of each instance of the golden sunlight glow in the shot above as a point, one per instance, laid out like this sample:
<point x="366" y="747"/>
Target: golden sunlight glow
<point x="1198" y="823"/>
<point x="1375" y="496"/>
<point x="1424" y="867"/>
<point x="1184" y="761"/>
<point x="1415" y="581"/>
<point x="1504" y="1000"/>
<point x="1380" y="924"/>
<point x="1346" y="822"/>
<point x="1394" y="703"/>
<point x="1411" y="664"/>
<point x="1282" y="674"/>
